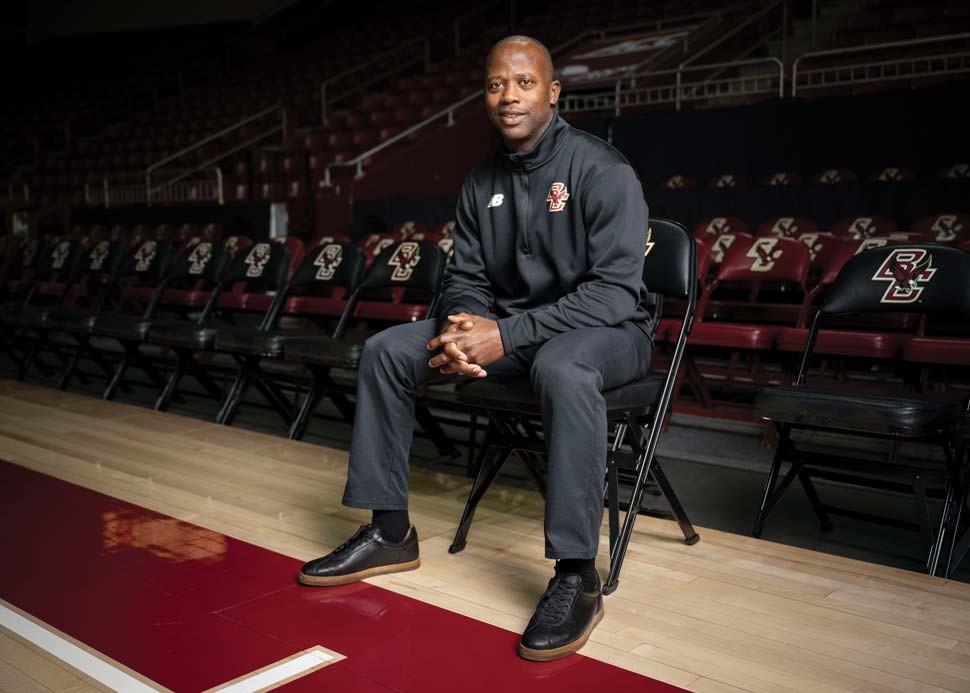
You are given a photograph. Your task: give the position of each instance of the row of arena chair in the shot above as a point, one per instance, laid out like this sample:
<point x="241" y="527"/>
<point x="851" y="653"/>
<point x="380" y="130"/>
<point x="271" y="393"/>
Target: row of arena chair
<point x="235" y="305"/>
<point x="830" y="176"/>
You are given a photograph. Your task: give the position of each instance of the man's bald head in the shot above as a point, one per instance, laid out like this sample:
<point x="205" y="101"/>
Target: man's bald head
<point x="527" y="43"/>
<point x="520" y="90"/>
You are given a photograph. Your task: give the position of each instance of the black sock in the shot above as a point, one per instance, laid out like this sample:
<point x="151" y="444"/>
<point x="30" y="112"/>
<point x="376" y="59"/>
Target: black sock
<point x="584" y="567"/>
<point x="394" y="524"/>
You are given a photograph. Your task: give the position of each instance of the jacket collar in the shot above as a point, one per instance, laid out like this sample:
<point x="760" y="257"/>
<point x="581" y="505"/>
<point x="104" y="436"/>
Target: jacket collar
<point x="548" y="145"/>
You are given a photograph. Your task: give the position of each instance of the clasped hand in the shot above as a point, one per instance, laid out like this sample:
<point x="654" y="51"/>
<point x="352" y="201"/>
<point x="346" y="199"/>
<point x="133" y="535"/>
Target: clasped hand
<point x="467" y="344"/>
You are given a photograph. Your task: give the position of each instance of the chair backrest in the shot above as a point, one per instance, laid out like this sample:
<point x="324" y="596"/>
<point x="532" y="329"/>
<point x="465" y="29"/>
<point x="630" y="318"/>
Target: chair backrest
<point x="670" y="260"/>
<point x="104" y="258"/>
<point x="821" y="247"/>
<point x="147" y="261"/>
<point x="411" y="231"/>
<point x="859" y="227"/>
<point x="766" y="258"/>
<point x="338" y="263"/>
<point x="903" y="278"/>
<point x="406" y="265"/>
<point x="265" y="263"/>
<point x="204" y="261"/>
<point x="61" y="261"/>
<point x="720" y="245"/>
<point x="728" y="180"/>
<point x="786" y="227"/>
<point x="716" y="226"/>
<point x="926" y="278"/>
<point x="944" y="228"/>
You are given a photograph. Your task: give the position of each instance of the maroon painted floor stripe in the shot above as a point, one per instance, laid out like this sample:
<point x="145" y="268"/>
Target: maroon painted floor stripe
<point x="191" y="609"/>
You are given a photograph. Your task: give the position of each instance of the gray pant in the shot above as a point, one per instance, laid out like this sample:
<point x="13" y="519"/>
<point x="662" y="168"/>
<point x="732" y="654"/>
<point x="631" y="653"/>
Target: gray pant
<point x="568" y="374"/>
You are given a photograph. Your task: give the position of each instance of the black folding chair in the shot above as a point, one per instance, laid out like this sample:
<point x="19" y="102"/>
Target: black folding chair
<point x="892" y="279"/>
<point x="261" y="268"/>
<point x="960" y="544"/>
<point x="91" y="294"/>
<point x="330" y="266"/>
<point x="199" y="266"/>
<point x="49" y="286"/>
<point x="636" y="410"/>
<point x="408" y="265"/>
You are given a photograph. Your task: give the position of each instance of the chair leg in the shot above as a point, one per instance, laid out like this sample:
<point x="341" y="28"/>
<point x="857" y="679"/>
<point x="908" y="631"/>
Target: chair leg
<point x="165" y="396"/>
<point x="233" y="397"/>
<point x="691" y="536"/>
<point x="958" y="548"/>
<point x="119" y="375"/>
<point x="309" y="405"/>
<point x="772" y="494"/>
<point x="613" y="486"/>
<point x="824" y="521"/>
<point x="69" y="369"/>
<point x="491" y="465"/>
<point x="272" y="394"/>
<point x="28" y="362"/>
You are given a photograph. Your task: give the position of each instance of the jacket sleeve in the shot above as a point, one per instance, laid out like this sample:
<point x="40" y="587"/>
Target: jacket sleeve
<point x="466" y="288"/>
<point x="616" y="220"/>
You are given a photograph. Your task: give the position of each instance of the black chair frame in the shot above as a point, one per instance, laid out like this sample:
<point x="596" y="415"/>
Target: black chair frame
<point x="862" y="287"/>
<point x="514" y="423"/>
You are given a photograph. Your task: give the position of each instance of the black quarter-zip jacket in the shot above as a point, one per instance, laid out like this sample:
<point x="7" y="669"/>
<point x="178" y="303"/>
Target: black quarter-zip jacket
<point x="550" y="240"/>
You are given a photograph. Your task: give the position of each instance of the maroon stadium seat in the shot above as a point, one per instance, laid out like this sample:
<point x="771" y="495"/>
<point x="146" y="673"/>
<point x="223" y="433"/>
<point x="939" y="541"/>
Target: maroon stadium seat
<point x="786" y="227"/>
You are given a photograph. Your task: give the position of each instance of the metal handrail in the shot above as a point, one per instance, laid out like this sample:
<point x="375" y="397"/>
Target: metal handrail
<point x="679" y="85"/>
<point x="724" y="37"/>
<point x="221" y="133"/>
<point x="367" y="63"/>
<point x="864" y="49"/>
<point x="358" y="161"/>
<point x="737" y="63"/>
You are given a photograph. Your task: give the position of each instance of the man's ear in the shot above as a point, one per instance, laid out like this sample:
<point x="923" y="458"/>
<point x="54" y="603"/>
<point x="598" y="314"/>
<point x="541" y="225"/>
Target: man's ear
<point x="554" y="90"/>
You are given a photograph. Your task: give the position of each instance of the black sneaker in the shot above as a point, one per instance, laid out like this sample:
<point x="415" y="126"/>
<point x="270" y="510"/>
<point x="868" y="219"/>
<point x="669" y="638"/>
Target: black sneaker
<point x="563" y="620"/>
<point x="365" y="554"/>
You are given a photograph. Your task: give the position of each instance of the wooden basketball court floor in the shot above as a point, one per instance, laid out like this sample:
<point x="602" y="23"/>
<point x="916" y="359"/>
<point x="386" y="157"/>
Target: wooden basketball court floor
<point x="728" y="614"/>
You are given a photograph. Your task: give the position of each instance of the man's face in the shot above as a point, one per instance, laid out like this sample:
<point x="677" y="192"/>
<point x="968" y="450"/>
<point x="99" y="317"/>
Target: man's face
<point x="519" y="93"/>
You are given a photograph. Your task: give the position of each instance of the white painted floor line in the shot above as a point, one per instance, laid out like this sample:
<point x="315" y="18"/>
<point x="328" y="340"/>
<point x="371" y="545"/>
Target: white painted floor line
<point x="98" y="669"/>
<point x="281" y="672"/>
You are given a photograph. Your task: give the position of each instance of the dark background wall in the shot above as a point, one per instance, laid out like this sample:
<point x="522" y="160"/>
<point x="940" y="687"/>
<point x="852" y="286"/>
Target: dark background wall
<point x="922" y="130"/>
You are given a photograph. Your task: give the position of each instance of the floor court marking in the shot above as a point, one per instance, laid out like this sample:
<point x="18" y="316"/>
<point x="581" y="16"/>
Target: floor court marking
<point x="85" y="660"/>
<point x="117" y="677"/>
<point x="279" y="673"/>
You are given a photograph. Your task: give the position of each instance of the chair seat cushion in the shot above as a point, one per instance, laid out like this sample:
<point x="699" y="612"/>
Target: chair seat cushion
<point x="877" y="345"/>
<point x="124" y="327"/>
<point x="71" y="321"/>
<point x="517" y="396"/>
<point x="860" y="412"/>
<point x="182" y="334"/>
<point x="733" y="335"/>
<point x="323" y="351"/>
<point x="258" y="343"/>
<point x="23" y="316"/>
<point x="953" y="351"/>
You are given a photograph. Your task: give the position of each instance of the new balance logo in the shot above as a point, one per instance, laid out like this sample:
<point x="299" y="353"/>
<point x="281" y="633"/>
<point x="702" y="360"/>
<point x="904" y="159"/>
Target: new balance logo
<point x="496" y="201"/>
